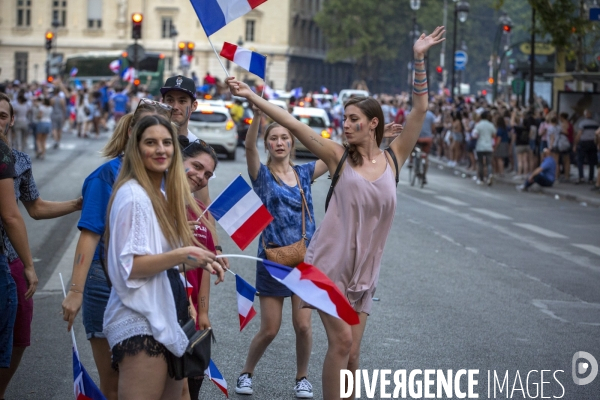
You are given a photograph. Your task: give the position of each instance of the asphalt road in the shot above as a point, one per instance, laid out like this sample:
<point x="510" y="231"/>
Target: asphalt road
<point x="475" y="278"/>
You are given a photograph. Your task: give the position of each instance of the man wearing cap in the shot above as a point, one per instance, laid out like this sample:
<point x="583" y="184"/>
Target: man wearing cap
<point x="180" y="93"/>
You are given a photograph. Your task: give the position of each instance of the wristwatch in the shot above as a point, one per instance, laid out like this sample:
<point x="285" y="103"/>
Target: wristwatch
<point x="218" y="248"/>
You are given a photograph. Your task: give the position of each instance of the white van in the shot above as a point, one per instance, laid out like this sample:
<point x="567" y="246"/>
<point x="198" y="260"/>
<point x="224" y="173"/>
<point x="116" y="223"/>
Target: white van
<point x="345" y="94"/>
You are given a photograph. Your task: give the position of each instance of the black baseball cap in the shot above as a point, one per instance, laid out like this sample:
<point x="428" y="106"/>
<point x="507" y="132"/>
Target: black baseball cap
<point x="180" y="83"/>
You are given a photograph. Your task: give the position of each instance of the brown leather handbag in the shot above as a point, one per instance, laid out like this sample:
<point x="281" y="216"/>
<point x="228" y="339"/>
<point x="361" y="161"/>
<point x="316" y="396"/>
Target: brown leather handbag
<point x="293" y="254"/>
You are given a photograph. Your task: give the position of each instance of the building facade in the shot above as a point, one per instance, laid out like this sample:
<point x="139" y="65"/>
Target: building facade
<point x="283" y="30"/>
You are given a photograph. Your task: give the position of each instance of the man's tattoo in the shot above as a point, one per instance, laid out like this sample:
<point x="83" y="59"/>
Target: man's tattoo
<point x="203" y="301"/>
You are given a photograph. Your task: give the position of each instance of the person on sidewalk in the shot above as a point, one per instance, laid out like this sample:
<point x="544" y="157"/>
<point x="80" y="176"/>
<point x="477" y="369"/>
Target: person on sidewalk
<point x="585" y="146"/>
<point x="485" y="132"/>
<point x="544" y="175"/>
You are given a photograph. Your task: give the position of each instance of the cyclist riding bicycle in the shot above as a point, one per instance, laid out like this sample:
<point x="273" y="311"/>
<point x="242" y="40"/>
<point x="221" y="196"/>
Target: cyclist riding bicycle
<point x="426" y="138"/>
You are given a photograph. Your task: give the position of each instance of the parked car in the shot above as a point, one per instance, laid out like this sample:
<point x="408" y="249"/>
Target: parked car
<point x="317" y="119"/>
<point x="244" y="125"/>
<point x="213" y="124"/>
<point x="345" y="94"/>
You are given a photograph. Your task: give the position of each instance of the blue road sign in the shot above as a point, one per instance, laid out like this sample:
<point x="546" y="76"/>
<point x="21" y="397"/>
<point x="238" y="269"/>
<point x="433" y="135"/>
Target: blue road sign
<point x="595" y="14"/>
<point x="460" y="60"/>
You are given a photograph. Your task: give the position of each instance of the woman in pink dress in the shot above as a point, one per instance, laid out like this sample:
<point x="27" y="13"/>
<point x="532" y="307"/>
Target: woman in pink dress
<point x="348" y="245"/>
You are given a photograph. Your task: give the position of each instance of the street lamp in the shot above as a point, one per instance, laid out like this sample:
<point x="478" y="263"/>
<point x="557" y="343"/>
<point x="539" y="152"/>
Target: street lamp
<point x="173" y="35"/>
<point x="414" y="34"/>
<point x="504" y="27"/>
<point x="461" y="11"/>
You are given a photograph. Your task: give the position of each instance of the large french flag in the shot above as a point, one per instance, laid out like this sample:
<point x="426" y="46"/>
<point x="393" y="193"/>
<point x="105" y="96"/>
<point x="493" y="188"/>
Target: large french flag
<point x="215" y="14"/>
<point x="254" y="62"/>
<point x="240" y="212"/>
<point x="213" y="373"/>
<point x="315" y="288"/>
<point x="83" y="386"/>
<point x="245" y="300"/>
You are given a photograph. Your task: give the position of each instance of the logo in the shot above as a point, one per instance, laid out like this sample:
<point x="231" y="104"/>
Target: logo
<point x="580" y="367"/>
<point x="179" y="81"/>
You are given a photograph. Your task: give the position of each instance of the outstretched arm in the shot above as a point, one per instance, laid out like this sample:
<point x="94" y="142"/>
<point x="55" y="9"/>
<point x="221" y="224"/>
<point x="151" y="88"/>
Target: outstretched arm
<point x="403" y="144"/>
<point x="327" y="150"/>
<point x="43" y="209"/>
<point x="252" y="157"/>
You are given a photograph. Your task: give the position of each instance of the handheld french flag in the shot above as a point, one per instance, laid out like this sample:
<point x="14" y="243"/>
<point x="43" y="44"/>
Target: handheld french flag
<point x="215" y="14"/>
<point x="74" y="72"/>
<point x="240" y="212"/>
<point x="115" y="66"/>
<point x="254" y="62"/>
<point x="83" y="386"/>
<point x="128" y="74"/>
<point x="245" y="300"/>
<point x="315" y="288"/>
<point x="213" y="373"/>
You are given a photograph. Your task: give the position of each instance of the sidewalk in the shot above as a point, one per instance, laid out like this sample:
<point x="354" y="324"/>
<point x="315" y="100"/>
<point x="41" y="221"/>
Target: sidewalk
<point x="570" y="191"/>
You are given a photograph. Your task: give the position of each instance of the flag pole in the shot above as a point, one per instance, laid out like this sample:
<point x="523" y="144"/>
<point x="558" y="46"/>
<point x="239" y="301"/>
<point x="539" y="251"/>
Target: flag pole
<point x="218" y="58"/>
<point x="65" y="295"/>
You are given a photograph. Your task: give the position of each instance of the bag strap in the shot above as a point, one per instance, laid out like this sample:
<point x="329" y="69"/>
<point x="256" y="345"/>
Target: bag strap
<point x="335" y="178"/>
<point x="391" y="153"/>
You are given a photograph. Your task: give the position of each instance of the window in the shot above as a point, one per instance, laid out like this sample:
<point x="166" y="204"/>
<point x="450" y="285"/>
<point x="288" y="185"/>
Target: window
<point x="21" y="66"/>
<point x="94" y="18"/>
<point x="250" y="30"/>
<point x="167" y="25"/>
<point x="59" y="12"/>
<point x="23" y="13"/>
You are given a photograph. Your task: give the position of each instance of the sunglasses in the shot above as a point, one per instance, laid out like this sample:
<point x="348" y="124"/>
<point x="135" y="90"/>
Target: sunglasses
<point x="205" y="146"/>
<point x="160" y="108"/>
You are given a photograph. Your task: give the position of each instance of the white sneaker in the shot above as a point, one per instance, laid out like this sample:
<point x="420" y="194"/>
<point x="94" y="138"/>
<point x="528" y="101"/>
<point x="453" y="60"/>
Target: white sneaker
<point x="490" y="180"/>
<point x="479" y="182"/>
<point x="303" y="389"/>
<point x="244" y="384"/>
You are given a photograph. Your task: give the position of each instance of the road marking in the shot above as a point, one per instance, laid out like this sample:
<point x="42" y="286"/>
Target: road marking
<point x="452" y="200"/>
<point x="491" y="214"/>
<point x="541" y="231"/>
<point x="592" y="249"/>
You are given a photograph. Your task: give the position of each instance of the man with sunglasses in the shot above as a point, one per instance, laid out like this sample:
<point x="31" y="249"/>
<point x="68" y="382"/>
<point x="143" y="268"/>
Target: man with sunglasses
<point x="179" y="92"/>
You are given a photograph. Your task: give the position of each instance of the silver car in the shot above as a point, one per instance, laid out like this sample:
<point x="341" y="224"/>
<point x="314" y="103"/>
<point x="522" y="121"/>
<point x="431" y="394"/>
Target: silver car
<point x="213" y="124"/>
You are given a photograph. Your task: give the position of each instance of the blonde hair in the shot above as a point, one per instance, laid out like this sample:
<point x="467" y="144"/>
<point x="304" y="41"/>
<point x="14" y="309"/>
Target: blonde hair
<point x="117" y="142"/>
<point x="266" y="138"/>
<point x="171" y="213"/>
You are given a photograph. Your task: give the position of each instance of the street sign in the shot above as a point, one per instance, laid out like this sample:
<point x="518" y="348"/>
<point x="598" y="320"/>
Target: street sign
<point x="131" y="52"/>
<point x="518" y="86"/>
<point x="595" y="14"/>
<point x="460" y="60"/>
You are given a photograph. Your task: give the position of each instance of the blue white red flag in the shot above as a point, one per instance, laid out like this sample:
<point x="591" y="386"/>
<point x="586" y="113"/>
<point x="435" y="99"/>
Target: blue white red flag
<point x="128" y="74"/>
<point x="74" y="72"/>
<point x="83" y="386"/>
<point x="245" y="300"/>
<point x="115" y="66"/>
<point x="297" y="92"/>
<point x="240" y="212"/>
<point x="213" y="373"/>
<point x="249" y="60"/>
<point x="215" y="14"/>
<point x="315" y="288"/>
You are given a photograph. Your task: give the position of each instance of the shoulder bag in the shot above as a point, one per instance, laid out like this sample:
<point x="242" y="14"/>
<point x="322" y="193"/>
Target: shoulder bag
<point x="293" y="254"/>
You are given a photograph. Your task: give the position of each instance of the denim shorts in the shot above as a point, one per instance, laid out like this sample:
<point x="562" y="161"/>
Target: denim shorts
<point x="8" y="305"/>
<point x="95" y="298"/>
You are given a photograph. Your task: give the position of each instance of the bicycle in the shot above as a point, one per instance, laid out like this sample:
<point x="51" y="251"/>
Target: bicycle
<point x="416" y="168"/>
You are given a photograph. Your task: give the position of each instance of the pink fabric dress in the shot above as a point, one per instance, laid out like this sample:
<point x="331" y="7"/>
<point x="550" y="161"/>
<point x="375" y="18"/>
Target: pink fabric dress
<point x="348" y="245"/>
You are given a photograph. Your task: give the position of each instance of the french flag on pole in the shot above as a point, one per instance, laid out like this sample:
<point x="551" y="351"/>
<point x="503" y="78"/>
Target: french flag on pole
<point x="83" y="386"/>
<point x="247" y="59"/>
<point x="315" y="288"/>
<point x="245" y="299"/>
<point x="240" y="212"/>
<point x="74" y="72"/>
<point x="215" y="14"/>
<point x="213" y="373"/>
<point x="128" y="75"/>
<point x="115" y="66"/>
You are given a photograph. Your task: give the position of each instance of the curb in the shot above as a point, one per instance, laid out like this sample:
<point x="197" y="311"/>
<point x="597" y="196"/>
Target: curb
<point x="588" y="200"/>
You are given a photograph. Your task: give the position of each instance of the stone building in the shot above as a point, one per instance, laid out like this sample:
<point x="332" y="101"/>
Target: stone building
<point x="283" y="30"/>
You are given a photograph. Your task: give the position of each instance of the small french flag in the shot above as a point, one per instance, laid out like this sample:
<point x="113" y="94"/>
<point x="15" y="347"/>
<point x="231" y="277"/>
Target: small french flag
<point x="213" y="373"/>
<point x="315" y="288"/>
<point x="128" y="74"/>
<point x="74" y="72"/>
<point x="245" y="300"/>
<point x="215" y="14"/>
<point x="115" y="66"/>
<point x="247" y="59"/>
<point x="240" y="212"/>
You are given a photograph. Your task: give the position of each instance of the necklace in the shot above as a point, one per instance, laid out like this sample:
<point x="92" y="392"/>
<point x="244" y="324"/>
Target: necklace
<point x="374" y="159"/>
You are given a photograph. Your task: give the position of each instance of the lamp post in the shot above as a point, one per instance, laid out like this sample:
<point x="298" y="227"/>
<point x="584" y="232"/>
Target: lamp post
<point x="414" y="34"/>
<point x="461" y="12"/>
<point x="504" y="27"/>
<point x="173" y="35"/>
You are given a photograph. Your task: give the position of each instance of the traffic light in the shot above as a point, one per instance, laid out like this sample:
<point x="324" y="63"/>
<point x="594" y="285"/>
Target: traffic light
<point x="491" y="80"/>
<point x="190" y="50"/>
<point x="136" y="82"/>
<point x="49" y="39"/>
<point x="50" y="79"/>
<point x="506" y="28"/>
<point x="484" y="92"/>
<point x="439" y="72"/>
<point x="136" y="25"/>
<point x="181" y="46"/>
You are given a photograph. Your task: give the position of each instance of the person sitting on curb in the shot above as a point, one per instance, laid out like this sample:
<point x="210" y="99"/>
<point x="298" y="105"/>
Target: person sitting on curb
<point x="544" y="175"/>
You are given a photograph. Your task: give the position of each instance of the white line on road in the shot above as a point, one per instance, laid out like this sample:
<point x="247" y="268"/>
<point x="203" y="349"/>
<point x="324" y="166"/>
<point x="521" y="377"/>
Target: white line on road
<point x="452" y="200"/>
<point x="491" y="214"/>
<point x="541" y="231"/>
<point x="588" y="247"/>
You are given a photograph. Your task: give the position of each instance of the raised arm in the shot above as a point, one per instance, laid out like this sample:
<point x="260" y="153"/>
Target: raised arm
<point x="327" y="150"/>
<point x="252" y="157"/>
<point x="403" y="144"/>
